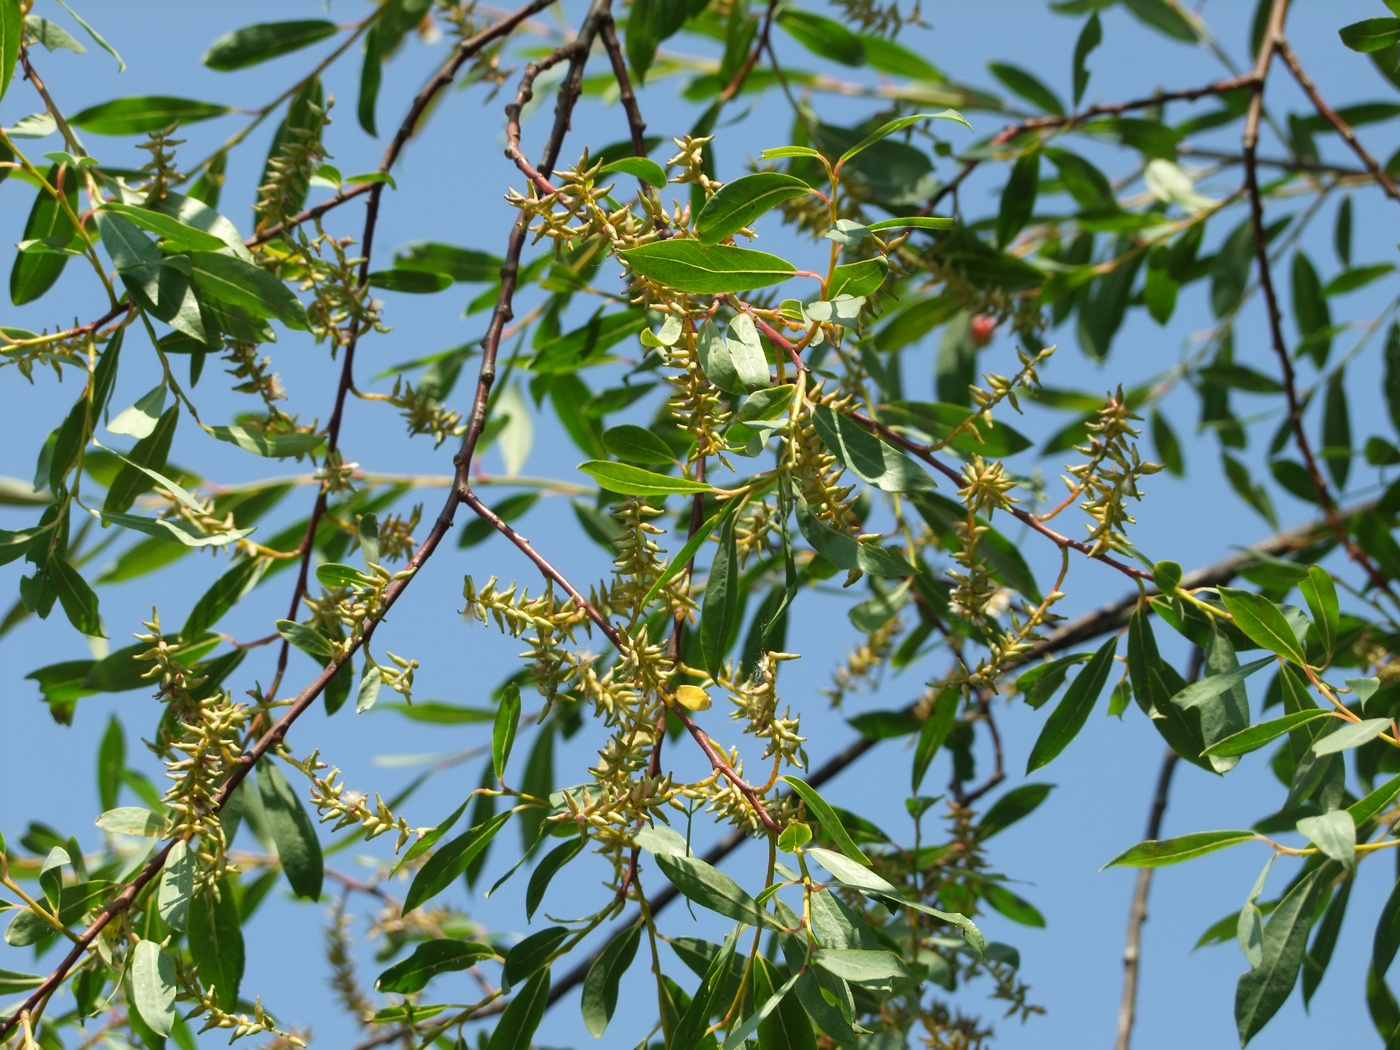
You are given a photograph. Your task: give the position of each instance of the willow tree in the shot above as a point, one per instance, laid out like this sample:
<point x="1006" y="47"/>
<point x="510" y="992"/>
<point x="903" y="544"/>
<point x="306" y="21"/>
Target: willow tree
<point x="754" y="443"/>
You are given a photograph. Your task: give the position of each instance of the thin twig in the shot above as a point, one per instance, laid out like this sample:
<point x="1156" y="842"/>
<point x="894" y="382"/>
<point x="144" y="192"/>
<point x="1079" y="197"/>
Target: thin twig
<point x="1273" y="39"/>
<point x="1290" y="59"/>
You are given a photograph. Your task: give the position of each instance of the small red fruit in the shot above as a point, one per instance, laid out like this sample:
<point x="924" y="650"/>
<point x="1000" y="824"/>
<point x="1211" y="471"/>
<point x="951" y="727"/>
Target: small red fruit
<point x="984" y="326"/>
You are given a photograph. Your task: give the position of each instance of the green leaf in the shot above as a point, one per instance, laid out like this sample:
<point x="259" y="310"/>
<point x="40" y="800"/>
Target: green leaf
<point x="821" y="36"/>
<point x="132" y="820"/>
<point x="430" y="839"/>
<point x="650" y="172"/>
<point x="521" y="1016"/>
<point x="634" y="481"/>
<point x="216" y="941"/>
<point x="866" y="456"/>
<point x="111" y="763"/>
<point x="153" y="986"/>
<point x="1018" y="198"/>
<point x="737" y="204"/>
<point x="292" y="832"/>
<point x="33" y="274"/>
<point x="533" y="953"/>
<point x="11" y="30"/>
<point x="545" y="870"/>
<point x="410" y="282"/>
<point x="11" y="981"/>
<point x="1256" y="736"/>
<point x="176" y="889"/>
<point x="231" y="280"/>
<point x="1090" y="37"/>
<point x="601" y="985"/>
<point x="706" y="269"/>
<point x="427" y="961"/>
<point x="371" y="77"/>
<point x="934" y="733"/>
<point x="150" y="452"/>
<point x="1373" y="34"/>
<point x="503" y="732"/>
<point x="1387" y="936"/>
<point x="721" y="607"/>
<point x="306" y="638"/>
<point x="173" y="233"/>
<point x="1325" y="940"/>
<point x="259" y="43"/>
<point x="1263" y="623"/>
<point x="136" y="116"/>
<point x="1353" y="734"/>
<point x="1310" y="309"/>
<point x="1072" y="711"/>
<point x="1364" y="809"/>
<point x="1336" y="430"/>
<point x="1263" y="989"/>
<point x="912" y="222"/>
<point x="1165" y="16"/>
<point x="710" y="888"/>
<point x="860" y="278"/>
<point x="1016" y="804"/>
<point x="1333" y="833"/>
<point x="223" y="595"/>
<point x="898" y="124"/>
<point x="820" y="811"/>
<point x="1156" y="854"/>
<point x="1320" y="593"/>
<point x="274" y="446"/>
<point x="1020" y="82"/>
<point x="637" y="445"/>
<point x="447" y="864"/>
<point x="691" y="1030"/>
<point x="878" y="969"/>
<point x="461" y="264"/>
<point x="79" y="601"/>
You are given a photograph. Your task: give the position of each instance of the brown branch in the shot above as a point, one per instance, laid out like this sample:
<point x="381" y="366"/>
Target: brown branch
<point x="278" y="732"/>
<point x="742" y="74"/>
<point x="925" y="453"/>
<point x="636" y="126"/>
<point x="1111" y="617"/>
<point x="1272" y="43"/>
<point x="1137" y="915"/>
<point x="1065" y="123"/>
<point x="1332" y="117"/>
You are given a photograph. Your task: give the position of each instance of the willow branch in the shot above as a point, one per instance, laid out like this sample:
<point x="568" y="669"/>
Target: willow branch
<point x="1290" y="59"/>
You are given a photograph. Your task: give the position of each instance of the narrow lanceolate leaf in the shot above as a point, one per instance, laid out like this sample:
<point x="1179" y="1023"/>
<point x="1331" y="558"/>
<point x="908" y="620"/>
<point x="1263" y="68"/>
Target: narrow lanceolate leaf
<point x="153" y="986"/>
<point x="427" y="961"/>
<point x="866" y="456"/>
<point x="554" y="861"/>
<point x="306" y="638"/>
<point x="79" y="601"/>
<point x="1018" y="198"/>
<point x="737" y="204"/>
<point x="1364" y="809"/>
<point x="238" y="283"/>
<point x="521" y="1016"/>
<point x="448" y="863"/>
<point x="258" y="43"/>
<point x="705" y="269"/>
<point x="1263" y="622"/>
<point x="1387" y="937"/>
<point x="710" y="888"/>
<point x="899" y="124"/>
<point x="34" y="273"/>
<point x="756" y="1022"/>
<point x="604" y="977"/>
<point x="634" y="481"/>
<point x="11" y="29"/>
<point x="1353" y="734"/>
<point x="1156" y="853"/>
<point x="274" y="446"/>
<point x="1333" y="833"/>
<point x="1264" y="988"/>
<point x="820" y="810"/>
<point x="720" y="610"/>
<point x="503" y="733"/>
<point x="176" y="886"/>
<point x="216" y="941"/>
<point x="533" y="954"/>
<point x="1256" y="736"/>
<point x="1320" y="593"/>
<point x="1072" y="711"/>
<point x="292" y="832"/>
<point x="136" y="116"/>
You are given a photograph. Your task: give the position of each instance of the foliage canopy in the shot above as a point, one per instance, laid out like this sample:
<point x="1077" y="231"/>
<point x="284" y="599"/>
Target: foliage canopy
<point x="754" y="445"/>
